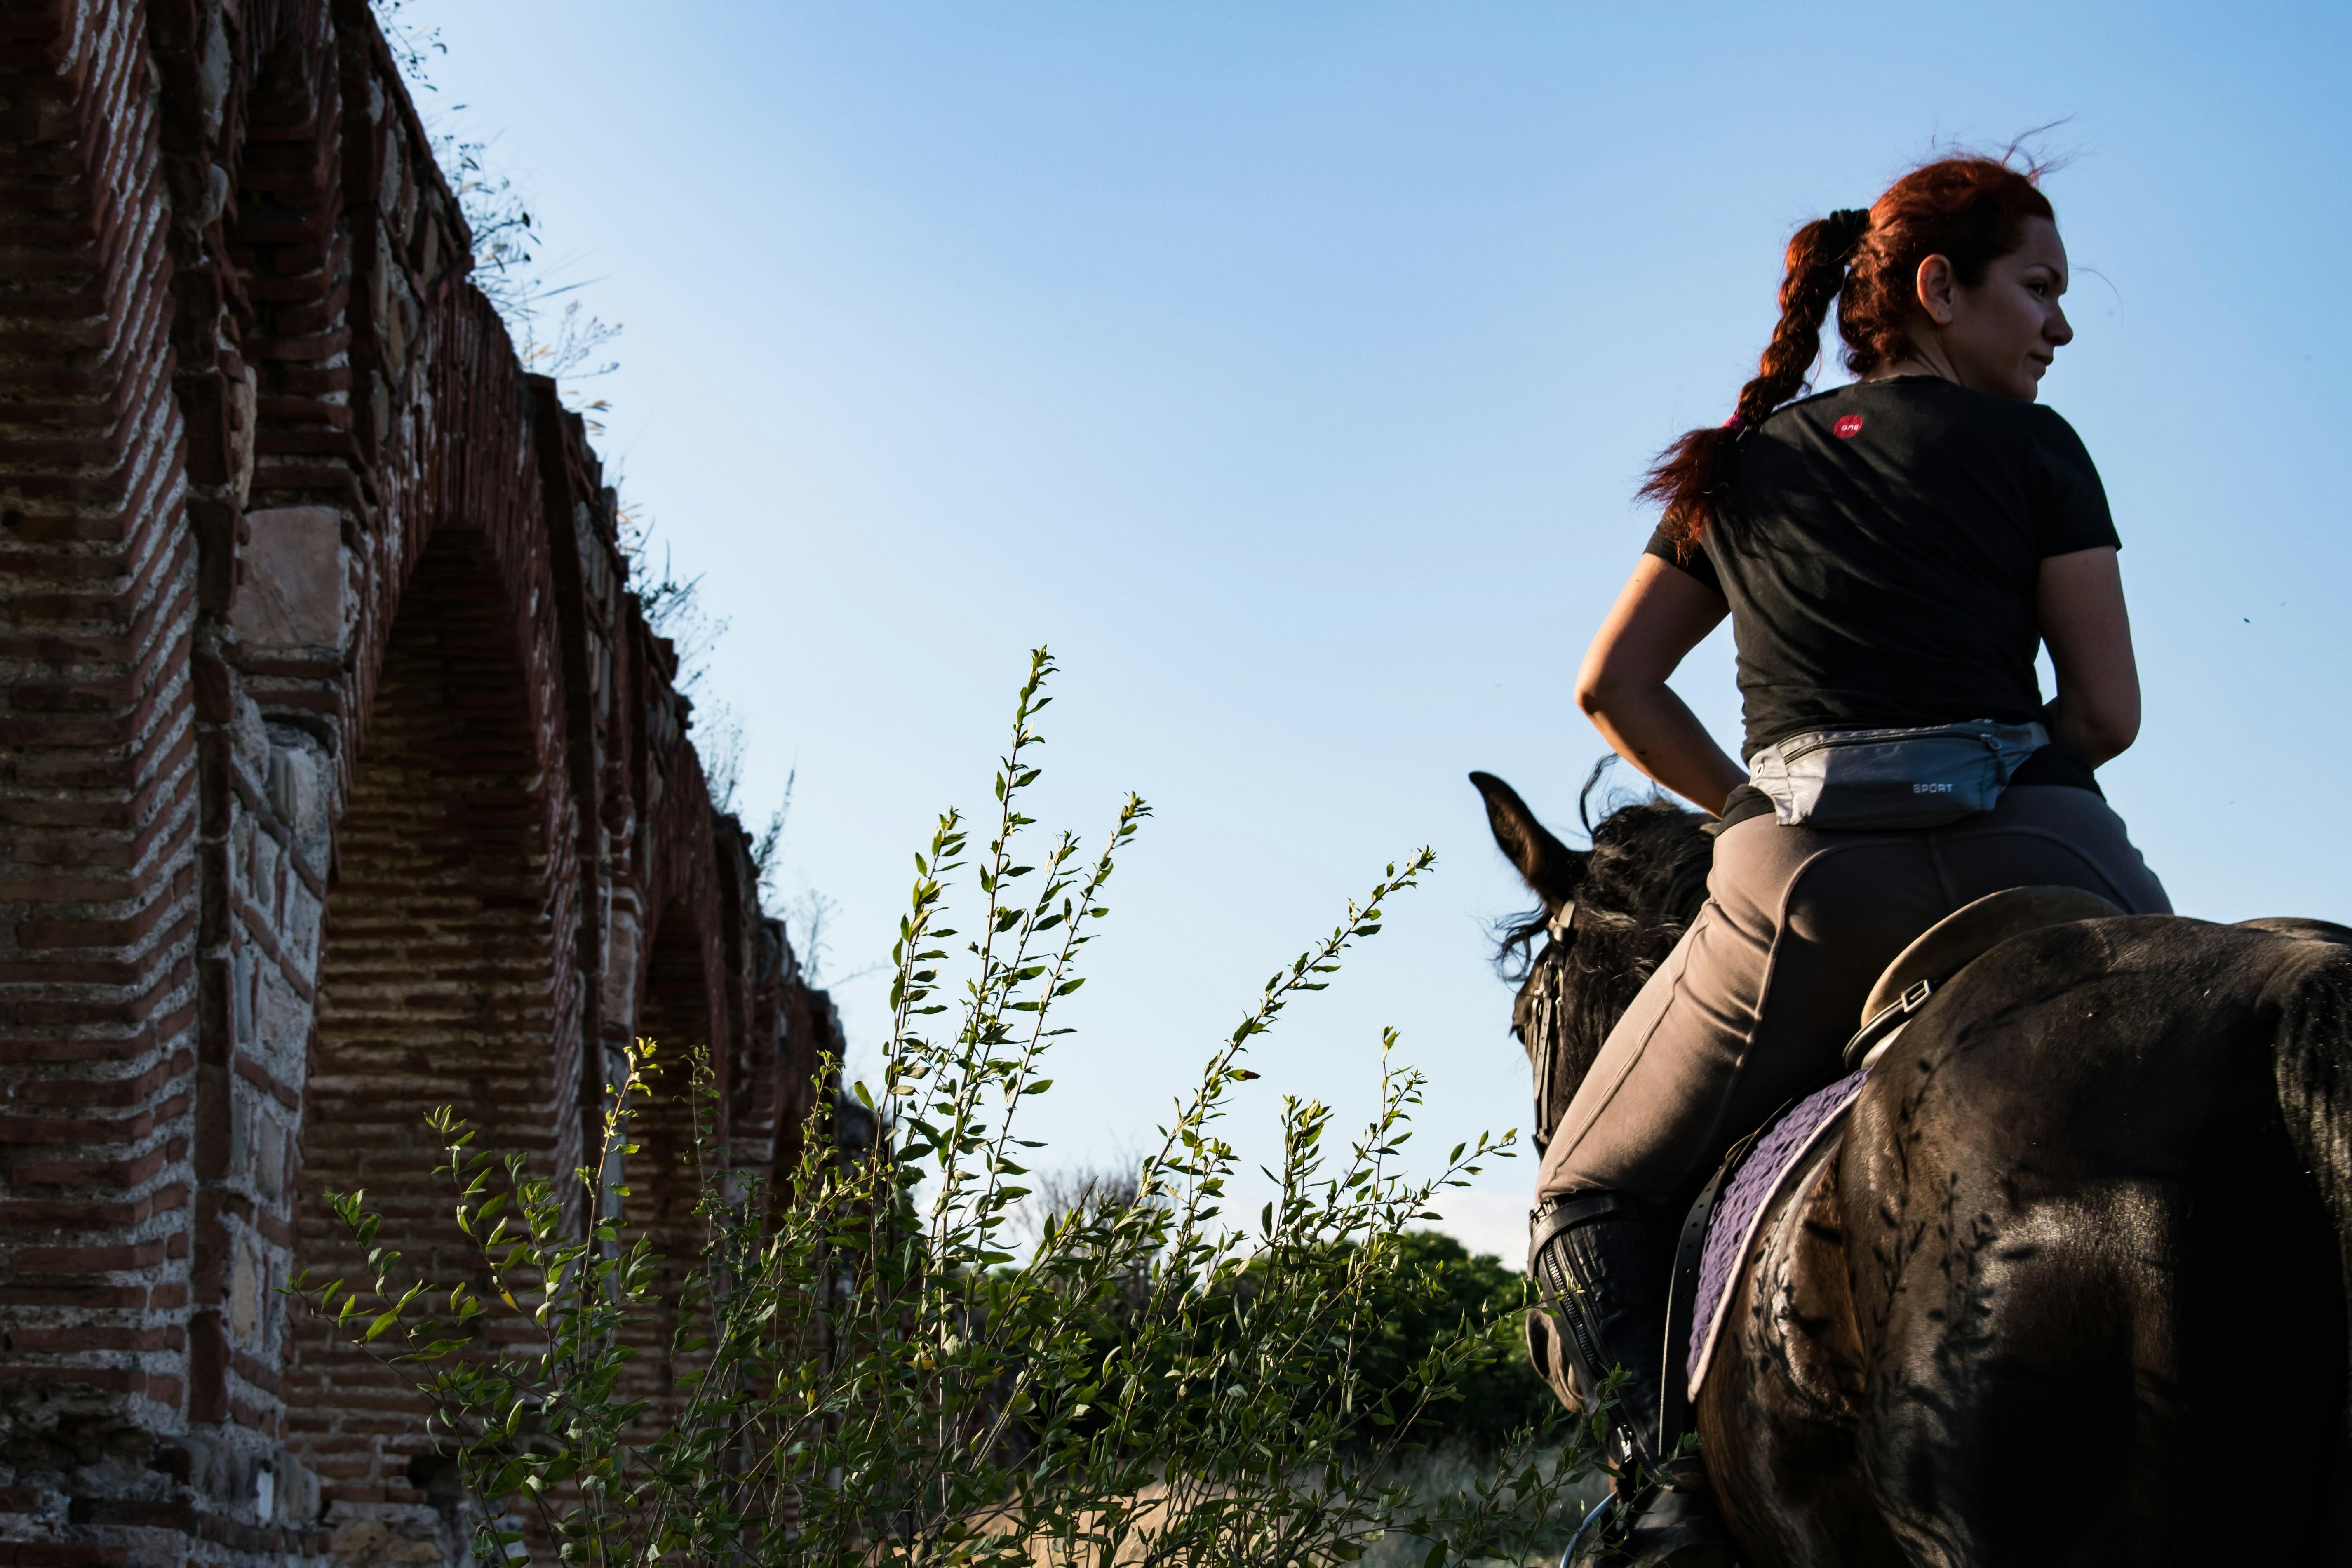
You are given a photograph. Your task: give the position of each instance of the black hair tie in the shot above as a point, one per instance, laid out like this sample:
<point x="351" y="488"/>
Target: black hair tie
<point x="1848" y="225"/>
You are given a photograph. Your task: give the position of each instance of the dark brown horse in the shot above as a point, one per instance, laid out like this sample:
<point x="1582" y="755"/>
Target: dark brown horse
<point x="2071" y="1285"/>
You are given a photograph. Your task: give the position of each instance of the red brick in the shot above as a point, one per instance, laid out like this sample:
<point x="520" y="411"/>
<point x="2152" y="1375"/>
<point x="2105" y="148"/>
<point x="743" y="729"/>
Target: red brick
<point x="143" y="1514"/>
<point x="115" y="1173"/>
<point x="59" y="1555"/>
<point x="106" y="1091"/>
<point x="74" y="1050"/>
<point x="89" y="1259"/>
<point x="106" y="1379"/>
<point x="65" y="1341"/>
<point x="118" y="1130"/>
<point x="68" y="1216"/>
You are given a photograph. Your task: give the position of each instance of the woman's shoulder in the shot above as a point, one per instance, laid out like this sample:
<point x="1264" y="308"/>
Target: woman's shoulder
<point x="2050" y="425"/>
<point x="2042" y="431"/>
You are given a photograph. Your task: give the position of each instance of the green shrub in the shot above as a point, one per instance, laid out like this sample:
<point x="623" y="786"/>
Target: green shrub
<point x="872" y="1373"/>
<point x="1450" y="1293"/>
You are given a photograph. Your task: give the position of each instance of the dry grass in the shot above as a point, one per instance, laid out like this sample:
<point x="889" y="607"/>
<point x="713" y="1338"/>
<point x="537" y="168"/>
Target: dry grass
<point x="1431" y="1477"/>
<point x="1446" y="1471"/>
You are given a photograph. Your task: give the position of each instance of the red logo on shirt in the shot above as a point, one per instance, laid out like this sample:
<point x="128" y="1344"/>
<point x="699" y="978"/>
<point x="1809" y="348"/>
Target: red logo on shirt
<point x="1848" y="428"/>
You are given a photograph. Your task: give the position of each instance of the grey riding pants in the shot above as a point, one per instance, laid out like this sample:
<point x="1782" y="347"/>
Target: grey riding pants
<point x="1757" y="1000"/>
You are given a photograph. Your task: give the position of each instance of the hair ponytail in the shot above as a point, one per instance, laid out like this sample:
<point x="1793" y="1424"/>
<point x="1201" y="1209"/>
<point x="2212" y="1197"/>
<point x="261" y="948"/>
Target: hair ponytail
<point x="1967" y="208"/>
<point x="1693" y="472"/>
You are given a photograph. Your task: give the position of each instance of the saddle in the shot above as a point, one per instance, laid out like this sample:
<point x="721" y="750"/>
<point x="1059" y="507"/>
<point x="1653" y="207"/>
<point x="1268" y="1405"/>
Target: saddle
<point x="1723" y="1221"/>
<point x="1953" y="942"/>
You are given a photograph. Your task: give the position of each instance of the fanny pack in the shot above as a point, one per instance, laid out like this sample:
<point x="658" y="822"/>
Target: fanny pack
<point x="1892" y="778"/>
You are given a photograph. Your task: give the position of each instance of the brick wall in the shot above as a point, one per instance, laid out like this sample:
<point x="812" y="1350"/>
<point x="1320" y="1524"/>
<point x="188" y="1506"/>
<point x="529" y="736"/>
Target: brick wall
<point x="340" y="777"/>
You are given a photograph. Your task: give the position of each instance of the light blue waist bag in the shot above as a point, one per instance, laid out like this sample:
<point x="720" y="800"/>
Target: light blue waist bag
<point x="1892" y="778"/>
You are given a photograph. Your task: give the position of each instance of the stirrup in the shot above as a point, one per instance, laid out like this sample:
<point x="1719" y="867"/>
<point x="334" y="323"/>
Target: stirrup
<point x="1600" y="1515"/>
<point x="1666" y="1526"/>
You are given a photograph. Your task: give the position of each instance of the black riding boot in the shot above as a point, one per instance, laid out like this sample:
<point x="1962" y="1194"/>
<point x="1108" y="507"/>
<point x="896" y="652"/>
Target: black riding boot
<point x="1600" y="1262"/>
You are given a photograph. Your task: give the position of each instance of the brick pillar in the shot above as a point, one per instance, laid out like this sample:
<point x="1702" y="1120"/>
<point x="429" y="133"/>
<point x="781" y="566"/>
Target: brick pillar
<point x="97" y="797"/>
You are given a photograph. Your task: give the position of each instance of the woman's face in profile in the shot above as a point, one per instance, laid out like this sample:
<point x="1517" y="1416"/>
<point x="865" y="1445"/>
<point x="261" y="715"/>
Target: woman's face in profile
<point x="2001" y="333"/>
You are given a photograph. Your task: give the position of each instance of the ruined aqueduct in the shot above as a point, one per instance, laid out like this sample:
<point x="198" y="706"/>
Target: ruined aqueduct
<point x="342" y="778"/>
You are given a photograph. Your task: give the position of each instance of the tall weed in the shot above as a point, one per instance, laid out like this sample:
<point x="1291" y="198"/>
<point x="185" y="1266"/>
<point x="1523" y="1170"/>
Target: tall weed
<point x="875" y="1363"/>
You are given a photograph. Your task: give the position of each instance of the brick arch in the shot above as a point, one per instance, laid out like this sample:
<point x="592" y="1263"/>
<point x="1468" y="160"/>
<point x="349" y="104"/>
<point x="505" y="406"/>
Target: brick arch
<point x="437" y="984"/>
<point x="268" y="470"/>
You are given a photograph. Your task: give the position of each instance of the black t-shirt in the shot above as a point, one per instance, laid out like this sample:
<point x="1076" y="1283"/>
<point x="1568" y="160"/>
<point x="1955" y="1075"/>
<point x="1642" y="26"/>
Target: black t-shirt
<point x="1880" y="550"/>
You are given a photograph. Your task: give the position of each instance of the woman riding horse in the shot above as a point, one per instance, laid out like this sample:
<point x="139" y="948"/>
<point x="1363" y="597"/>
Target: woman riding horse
<point x="1892" y="554"/>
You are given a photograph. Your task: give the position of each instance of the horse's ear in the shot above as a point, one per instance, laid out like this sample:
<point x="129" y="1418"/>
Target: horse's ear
<point x="1550" y="868"/>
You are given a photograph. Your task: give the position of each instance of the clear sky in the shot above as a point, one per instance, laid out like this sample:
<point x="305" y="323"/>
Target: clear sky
<point x="1289" y="368"/>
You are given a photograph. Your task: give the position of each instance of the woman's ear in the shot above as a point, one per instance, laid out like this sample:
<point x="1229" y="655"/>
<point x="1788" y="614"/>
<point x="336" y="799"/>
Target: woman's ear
<point x="1934" y="286"/>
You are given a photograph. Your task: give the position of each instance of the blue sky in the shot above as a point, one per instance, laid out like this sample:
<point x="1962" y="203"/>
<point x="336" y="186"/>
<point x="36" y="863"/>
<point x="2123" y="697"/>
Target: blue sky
<point x="1287" y="369"/>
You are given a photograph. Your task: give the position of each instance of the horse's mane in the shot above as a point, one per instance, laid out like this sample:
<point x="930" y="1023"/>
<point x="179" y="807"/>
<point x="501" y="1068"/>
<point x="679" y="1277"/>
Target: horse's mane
<point x="1638" y="888"/>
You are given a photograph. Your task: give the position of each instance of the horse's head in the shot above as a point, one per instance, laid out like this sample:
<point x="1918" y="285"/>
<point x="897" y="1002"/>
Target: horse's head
<point x="1609" y="915"/>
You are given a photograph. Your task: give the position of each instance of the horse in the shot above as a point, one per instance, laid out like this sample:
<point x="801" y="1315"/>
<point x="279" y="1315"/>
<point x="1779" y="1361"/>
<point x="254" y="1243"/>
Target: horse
<point x="2070" y="1285"/>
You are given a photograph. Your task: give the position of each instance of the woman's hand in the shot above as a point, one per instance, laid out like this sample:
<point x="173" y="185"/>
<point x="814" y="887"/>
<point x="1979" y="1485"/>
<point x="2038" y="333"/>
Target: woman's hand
<point x="1661" y="615"/>
<point x="2080" y="598"/>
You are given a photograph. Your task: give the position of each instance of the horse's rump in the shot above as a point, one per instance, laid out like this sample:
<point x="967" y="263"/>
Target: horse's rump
<point x="2070" y="1284"/>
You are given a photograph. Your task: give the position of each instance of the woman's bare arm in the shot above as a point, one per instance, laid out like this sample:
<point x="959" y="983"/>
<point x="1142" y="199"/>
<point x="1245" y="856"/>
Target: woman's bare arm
<point x="2080" y="598"/>
<point x="1661" y="615"/>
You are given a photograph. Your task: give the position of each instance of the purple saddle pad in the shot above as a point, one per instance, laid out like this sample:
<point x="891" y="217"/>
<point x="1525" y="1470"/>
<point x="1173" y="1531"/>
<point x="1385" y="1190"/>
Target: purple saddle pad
<point x="1741" y="1207"/>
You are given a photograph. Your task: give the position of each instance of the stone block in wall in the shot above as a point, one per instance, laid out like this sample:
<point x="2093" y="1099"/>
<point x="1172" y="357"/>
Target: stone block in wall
<point x="296" y="589"/>
<point x="246" y="1274"/>
<point x="300" y="779"/>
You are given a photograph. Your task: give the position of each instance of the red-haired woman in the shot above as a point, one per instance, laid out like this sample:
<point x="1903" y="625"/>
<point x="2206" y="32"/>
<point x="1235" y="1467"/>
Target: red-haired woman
<point x="1892" y="554"/>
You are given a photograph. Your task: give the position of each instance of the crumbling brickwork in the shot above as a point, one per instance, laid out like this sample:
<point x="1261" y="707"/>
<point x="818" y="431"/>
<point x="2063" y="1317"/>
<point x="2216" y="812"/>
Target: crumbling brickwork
<point x="340" y="777"/>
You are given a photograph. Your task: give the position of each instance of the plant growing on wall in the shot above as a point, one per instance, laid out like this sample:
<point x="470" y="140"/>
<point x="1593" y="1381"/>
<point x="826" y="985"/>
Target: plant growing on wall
<point x="874" y="1370"/>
